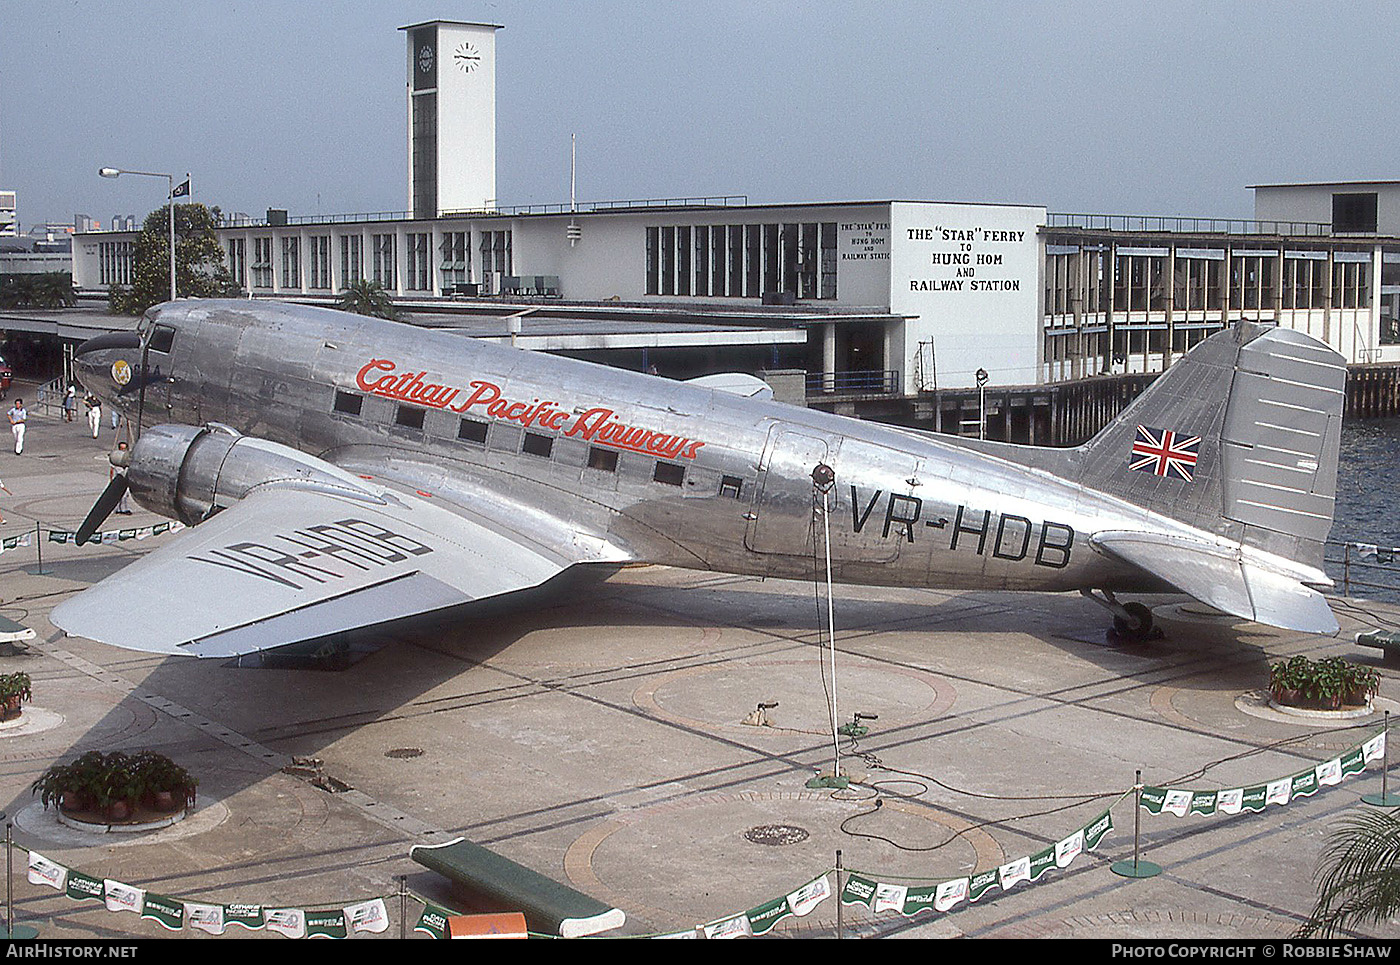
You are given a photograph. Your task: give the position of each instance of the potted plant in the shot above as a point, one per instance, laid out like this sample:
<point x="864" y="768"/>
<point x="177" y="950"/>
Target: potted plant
<point x="167" y="785"/>
<point x="115" y="784"/>
<point x="1327" y="684"/>
<point x="14" y="690"/>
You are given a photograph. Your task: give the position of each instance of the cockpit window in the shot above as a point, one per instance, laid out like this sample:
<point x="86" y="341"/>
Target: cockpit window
<point x="162" y="339"/>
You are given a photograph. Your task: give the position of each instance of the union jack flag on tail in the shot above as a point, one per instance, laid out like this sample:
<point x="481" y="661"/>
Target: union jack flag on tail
<point x="1163" y="452"/>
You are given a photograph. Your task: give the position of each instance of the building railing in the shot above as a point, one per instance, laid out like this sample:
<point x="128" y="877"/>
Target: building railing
<point x="1179" y="225"/>
<point x="1364" y="569"/>
<point x="876" y="382"/>
<point x="709" y="201"/>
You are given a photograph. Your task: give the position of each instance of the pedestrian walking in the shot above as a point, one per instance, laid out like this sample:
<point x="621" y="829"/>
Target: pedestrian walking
<point x="19" y="415"/>
<point x="70" y="402"/>
<point x="94" y="405"/>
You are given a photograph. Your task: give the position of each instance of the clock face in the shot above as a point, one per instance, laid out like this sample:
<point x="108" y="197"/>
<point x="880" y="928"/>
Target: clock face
<point x="425" y="59"/>
<point x="467" y="57"/>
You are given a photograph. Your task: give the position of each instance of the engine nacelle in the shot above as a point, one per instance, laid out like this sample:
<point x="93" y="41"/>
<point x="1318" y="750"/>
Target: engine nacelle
<point x="190" y="473"/>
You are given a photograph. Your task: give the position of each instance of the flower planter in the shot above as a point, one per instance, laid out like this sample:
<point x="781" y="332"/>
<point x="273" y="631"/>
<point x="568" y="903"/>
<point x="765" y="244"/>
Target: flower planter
<point x="117" y="788"/>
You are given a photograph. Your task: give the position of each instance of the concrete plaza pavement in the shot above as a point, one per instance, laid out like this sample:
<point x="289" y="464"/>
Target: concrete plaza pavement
<point x="597" y="735"/>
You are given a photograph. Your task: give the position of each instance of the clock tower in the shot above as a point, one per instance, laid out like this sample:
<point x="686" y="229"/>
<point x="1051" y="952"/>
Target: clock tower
<point x="451" y="117"/>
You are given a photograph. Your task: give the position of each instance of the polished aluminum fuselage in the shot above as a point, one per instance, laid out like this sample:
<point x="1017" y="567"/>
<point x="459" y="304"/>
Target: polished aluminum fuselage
<point x="906" y="508"/>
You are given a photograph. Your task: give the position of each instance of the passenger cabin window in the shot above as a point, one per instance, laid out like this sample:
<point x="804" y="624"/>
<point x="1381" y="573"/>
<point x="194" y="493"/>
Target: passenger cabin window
<point x="470" y="430"/>
<point x="348" y="402"/>
<point x="604" y="459"/>
<point x="669" y="473"/>
<point x="162" y="339"/>
<point x="538" y="445"/>
<point x="409" y="417"/>
<point x="731" y="486"/>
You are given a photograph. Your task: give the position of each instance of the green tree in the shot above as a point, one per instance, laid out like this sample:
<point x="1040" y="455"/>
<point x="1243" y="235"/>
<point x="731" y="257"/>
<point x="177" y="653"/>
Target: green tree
<point x="50" y="289"/>
<point x="365" y="297"/>
<point x="1358" y="875"/>
<point x="199" y="260"/>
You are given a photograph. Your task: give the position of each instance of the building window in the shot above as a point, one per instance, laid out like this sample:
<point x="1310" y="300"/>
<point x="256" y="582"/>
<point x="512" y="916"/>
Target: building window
<point x="320" y="262"/>
<point x="114" y="262"/>
<point x="424" y="120"/>
<point x="419" y="274"/>
<point x="683" y="260"/>
<point x="262" y="262"/>
<point x="455" y="266"/>
<point x="291" y="263"/>
<point x="742" y="261"/>
<point x="352" y="266"/>
<point x="669" y="473"/>
<point x="470" y="430"/>
<point x="828" y="260"/>
<point x="409" y="417"/>
<point x="1354" y="212"/>
<point x="537" y="445"/>
<point x="348" y="403"/>
<point x="653" y="261"/>
<point x="238" y="260"/>
<point x="384" y="273"/>
<point x="495" y="259"/>
<point x="702" y="260"/>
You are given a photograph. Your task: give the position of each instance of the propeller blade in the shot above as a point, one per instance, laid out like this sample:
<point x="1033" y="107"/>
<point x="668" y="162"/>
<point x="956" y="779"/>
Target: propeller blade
<point x="102" y="508"/>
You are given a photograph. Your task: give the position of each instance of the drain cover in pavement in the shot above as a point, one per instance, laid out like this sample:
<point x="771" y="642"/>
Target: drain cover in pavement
<point x="776" y="834"/>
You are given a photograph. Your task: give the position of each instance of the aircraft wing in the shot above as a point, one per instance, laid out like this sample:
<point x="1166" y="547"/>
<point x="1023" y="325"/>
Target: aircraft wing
<point x="1222" y="577"/>
<point x="290" y="564"/>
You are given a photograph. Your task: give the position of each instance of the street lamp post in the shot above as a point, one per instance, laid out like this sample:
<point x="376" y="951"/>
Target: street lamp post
<point x="170" y="180"/>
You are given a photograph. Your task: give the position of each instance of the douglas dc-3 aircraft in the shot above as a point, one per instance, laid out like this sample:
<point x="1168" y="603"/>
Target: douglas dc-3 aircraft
<point x="341" y="472"/>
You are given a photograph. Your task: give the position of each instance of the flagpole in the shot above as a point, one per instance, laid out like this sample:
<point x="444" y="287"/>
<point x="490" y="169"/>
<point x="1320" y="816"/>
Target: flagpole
<point x="171" y="179"/>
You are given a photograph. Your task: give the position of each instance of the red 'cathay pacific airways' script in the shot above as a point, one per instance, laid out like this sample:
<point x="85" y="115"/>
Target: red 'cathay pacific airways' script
<point x="596" y="425"/>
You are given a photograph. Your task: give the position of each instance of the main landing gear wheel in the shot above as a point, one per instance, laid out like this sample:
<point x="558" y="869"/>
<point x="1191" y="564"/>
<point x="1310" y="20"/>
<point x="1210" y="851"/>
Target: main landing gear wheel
<point x="1139" y="627"/>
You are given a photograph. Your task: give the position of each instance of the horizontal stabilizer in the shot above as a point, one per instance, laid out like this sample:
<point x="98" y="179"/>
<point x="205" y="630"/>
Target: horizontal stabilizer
<point x="1220" y="577"/>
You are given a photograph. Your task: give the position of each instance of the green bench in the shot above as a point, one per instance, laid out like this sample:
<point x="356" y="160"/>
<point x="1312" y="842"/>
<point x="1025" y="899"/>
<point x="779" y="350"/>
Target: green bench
<point x="1386" y="641"/>
<point x="549" y="906"/>
<point x="12" y="632"/>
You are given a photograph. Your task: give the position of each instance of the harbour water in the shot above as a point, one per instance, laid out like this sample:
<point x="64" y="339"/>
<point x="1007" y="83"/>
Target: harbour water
<point x="1368" y="510"/>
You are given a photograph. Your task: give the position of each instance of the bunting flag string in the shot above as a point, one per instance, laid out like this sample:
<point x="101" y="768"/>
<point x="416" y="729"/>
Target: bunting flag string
<point x="1254" y="798"/>
<point x="9" y="543"/>
<point x="860" y="888"/>
<point x="881" y="896"/>
<point x="175" y="914"/>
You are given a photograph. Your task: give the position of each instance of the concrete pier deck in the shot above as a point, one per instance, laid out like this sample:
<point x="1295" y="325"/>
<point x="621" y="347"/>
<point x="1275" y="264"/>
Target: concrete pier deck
<point x="597" y="736"/>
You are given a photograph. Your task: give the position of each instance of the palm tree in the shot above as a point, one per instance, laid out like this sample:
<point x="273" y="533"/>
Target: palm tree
<point x="365" y="297"/>
<point x="1359" y="875"/>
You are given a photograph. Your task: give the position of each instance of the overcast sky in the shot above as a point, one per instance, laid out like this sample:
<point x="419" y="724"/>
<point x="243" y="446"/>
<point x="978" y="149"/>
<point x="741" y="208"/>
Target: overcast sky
<point x="1136" y="108"/>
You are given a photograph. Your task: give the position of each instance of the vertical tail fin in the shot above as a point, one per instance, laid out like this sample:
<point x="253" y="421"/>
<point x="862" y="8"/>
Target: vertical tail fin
<point x="1239" y="438"/>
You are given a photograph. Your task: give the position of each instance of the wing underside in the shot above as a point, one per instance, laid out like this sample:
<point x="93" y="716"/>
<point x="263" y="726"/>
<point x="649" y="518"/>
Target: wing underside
<point x="287" y="565"/>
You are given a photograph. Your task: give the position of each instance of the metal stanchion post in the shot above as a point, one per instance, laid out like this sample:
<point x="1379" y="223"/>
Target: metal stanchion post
<point x="403" y="905"/>
<point x="839" y="917"/>
<point x="1384" y="799"/>
<point x="39" y="548"/>
<point x="1136" y="868"/>
<point x="12" y="930"/>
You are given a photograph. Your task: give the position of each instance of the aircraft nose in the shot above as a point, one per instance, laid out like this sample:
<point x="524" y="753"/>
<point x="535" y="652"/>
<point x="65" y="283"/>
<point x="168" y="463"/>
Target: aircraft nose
<point x="107" y="364"/>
